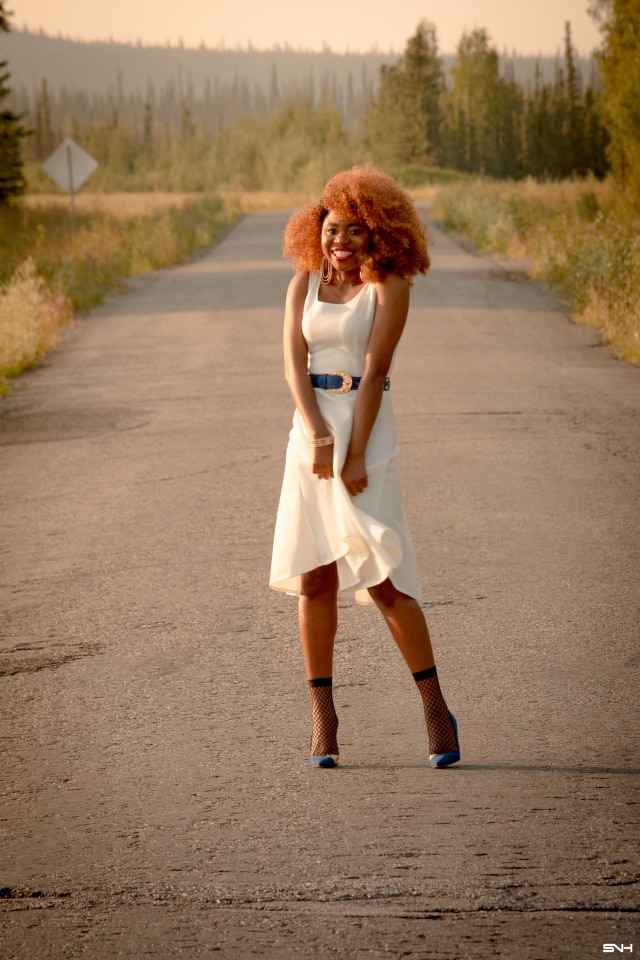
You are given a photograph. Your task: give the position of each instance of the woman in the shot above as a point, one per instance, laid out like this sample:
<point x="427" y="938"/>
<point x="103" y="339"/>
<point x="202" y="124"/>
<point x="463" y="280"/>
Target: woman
<point x="341" y="529"/>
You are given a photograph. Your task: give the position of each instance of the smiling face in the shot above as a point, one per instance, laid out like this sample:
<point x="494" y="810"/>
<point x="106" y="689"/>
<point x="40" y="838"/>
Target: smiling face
<point x="344" y="242"/>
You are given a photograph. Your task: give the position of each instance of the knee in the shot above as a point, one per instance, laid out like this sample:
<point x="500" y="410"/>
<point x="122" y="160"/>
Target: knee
<point x="386" y="596"/>
<point x="321" y="583"/>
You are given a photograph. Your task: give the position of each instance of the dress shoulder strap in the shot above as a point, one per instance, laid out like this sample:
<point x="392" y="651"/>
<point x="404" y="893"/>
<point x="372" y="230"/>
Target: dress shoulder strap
<point x="312" y="289"/>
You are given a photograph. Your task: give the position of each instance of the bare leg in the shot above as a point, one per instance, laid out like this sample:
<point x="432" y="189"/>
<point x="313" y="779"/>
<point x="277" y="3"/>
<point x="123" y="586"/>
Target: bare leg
<point x="318" y="617"/>
<point x="406" y="621"/>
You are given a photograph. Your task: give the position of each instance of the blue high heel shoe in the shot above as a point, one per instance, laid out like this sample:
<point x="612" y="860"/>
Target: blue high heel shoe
<point x="446" y="759"/>
<point x="326" y="760"/>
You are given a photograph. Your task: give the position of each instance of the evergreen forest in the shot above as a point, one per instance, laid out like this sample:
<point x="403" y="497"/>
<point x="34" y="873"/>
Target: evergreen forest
<point x="415" y="115"/>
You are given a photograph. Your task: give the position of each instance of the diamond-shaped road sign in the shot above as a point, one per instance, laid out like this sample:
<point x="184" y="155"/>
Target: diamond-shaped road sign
<point x="70" y="166"/>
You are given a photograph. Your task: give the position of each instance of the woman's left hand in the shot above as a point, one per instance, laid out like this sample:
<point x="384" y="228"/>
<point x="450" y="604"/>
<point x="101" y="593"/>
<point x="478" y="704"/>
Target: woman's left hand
<point x="354" y="475"/>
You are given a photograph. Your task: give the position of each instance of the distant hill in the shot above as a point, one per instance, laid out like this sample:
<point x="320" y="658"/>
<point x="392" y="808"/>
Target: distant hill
<point x="95" y="67"/>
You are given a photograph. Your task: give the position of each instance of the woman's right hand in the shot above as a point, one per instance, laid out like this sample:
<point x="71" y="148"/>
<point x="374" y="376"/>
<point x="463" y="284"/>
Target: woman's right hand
<point x="323" y="462"/>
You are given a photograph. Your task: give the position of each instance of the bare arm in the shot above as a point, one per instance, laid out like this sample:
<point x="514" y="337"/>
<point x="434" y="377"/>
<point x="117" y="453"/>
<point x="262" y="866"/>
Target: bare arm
<point x="296" y="374"/>
<point x="388" y="324"/>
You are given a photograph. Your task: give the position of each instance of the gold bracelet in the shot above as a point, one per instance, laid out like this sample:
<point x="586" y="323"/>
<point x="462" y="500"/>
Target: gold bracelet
<point x="322" y="442"/>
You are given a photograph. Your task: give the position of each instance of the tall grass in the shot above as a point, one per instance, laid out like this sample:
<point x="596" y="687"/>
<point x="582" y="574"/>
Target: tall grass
<point x="582" y="236"/>
<point x="47" y="273"/>
<point x="30" y="319"/>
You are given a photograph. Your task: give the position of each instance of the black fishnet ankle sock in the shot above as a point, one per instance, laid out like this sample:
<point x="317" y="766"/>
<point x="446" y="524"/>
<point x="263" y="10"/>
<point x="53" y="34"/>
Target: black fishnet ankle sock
<point x="442" y="738"/>
<point x="323" y="714"/>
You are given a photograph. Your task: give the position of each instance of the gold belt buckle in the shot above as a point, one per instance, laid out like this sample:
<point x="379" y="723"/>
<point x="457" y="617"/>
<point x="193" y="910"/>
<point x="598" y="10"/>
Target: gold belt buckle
<point x="347" y="382"/>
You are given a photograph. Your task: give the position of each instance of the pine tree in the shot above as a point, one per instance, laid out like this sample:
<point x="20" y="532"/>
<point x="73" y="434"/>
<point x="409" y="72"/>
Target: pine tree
<point x="619" y="62"/>
<point x="507" y="160"/>
<point x="44" y="138"/>
<point x="595" y="135"/>
<point x="148" y="146"/>
<point x="563" y="135"/>
<point x="539" y="157"/>
<point x="576" y="161"/>
<point x="404" y="124"/>
<point x="483" y="111"/>
<point x="422" y="85"/>
<point x="383" y="121"/>
<point x="12" y="182"/>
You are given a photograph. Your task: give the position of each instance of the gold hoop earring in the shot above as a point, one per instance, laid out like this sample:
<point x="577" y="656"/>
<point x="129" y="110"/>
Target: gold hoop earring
<point x="326" y="271"/>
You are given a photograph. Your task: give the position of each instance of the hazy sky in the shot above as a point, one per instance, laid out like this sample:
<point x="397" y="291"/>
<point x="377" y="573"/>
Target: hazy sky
<point x="354" y="25"/>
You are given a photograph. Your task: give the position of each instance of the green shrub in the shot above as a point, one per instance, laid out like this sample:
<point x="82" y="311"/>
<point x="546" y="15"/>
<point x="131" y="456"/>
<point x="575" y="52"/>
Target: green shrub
<point x="579" y="235"/>
<point x="48" y="273"/>
<point x="30" y="317"/>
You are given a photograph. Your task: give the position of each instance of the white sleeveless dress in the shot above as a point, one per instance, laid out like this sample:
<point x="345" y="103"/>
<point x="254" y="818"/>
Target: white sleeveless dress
<point x="318" y="521"/>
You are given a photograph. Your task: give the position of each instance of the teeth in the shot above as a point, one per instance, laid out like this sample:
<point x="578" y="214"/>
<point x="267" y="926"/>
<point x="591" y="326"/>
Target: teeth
<point x="342" y="254"/>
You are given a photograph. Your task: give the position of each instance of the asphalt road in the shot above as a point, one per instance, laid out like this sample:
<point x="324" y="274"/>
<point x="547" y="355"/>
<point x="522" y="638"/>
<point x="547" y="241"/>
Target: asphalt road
<point x="156" y="799"/>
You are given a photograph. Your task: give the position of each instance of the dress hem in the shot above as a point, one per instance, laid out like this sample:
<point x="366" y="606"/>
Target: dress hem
<point x="352" y="594"/>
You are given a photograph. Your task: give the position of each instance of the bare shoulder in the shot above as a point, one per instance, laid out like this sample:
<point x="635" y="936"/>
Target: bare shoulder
<point x="298" y="287"/>
<point x="393" y="291"/>
<point x="294" y="306"/>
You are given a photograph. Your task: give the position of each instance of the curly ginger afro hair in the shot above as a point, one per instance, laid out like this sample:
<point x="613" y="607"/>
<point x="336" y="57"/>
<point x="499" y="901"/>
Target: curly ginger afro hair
<point x="366" y="196"/>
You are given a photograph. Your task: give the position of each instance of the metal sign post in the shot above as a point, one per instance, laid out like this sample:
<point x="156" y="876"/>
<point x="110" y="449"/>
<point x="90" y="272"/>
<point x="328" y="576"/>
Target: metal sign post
<point x="71" y="190"/>
<point x="70" y="166"/>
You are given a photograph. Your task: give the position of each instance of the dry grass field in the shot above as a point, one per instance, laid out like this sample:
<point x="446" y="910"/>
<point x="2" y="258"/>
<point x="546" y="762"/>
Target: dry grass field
<point x="129" y="205"/>
<point x="48" y="272"/>
<point x="582" y="235"/>
<point x="115" y="204"/>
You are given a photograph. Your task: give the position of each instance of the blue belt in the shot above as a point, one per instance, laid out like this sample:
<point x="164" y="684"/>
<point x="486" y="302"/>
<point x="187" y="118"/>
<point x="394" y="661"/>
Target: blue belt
<point x="339" y="381"/>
